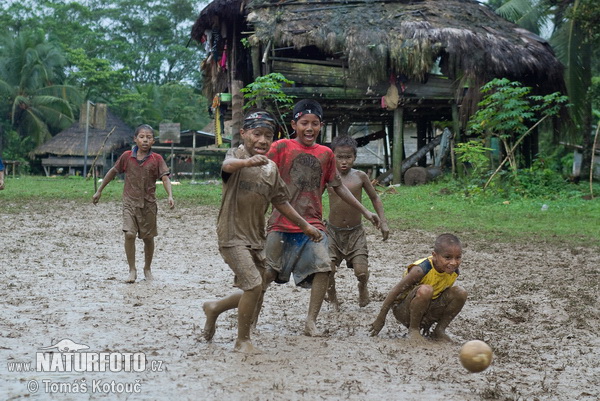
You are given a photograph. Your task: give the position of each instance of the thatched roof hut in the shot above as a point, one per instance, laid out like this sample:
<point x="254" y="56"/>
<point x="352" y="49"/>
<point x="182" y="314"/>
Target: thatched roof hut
<point x="349" y="53"/>
<point x="67" y="148"/>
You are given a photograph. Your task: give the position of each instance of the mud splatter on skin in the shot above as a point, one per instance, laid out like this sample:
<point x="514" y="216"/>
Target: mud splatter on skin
<point x="62" y="272"/>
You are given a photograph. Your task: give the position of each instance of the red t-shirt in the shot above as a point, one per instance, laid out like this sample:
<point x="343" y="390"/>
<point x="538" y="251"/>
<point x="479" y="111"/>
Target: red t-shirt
<point x="140" y="177"/>
<point x="306" y="172"/>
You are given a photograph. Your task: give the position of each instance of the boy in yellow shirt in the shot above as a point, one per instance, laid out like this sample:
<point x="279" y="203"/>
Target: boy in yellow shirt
<point x="426" y="295"/>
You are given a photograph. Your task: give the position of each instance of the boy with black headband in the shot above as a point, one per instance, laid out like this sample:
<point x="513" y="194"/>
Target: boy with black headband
<point x="307" y="168"/>
<point x="251" y="182"/>
<point x="142" y="168"/>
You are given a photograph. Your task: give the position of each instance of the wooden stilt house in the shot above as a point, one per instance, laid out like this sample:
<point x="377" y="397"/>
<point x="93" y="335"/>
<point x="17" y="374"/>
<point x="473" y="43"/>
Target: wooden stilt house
<point x="386" y="62"/>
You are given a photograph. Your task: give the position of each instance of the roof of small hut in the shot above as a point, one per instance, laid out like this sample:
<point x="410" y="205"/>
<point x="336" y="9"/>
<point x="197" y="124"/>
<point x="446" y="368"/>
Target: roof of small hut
<point x="472" y="43"/>
<point x="71" y="142"/>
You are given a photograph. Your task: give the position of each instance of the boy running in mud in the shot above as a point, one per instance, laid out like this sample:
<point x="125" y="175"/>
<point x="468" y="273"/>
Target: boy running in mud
<point x="251" y="182"/>
<point x="142" y="168"/>
<point x="306" y="167"/>
<point x="426" y="295"/>
<point x="347" y="238"/>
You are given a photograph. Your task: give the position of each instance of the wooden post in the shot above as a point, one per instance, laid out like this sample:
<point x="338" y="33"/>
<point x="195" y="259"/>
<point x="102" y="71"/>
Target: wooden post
<point x="237" y="112"/>
<point x="398" y="145"/>
<point x="422" y="139"/>
<point x="456" y="136"/>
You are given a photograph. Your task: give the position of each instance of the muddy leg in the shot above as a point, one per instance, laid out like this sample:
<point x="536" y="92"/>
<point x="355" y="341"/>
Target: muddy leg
<point x="331" y="292"/>
<point x="458" y="298"/>
<point x="148" y="255"/>
<point x="213" y="309"/>
<point x="130" y="254"/>
<point x="246" y="309"/>
<point x="362" y="274"/>
<point x="317" y="294"/>
<point x="418" y="307"/>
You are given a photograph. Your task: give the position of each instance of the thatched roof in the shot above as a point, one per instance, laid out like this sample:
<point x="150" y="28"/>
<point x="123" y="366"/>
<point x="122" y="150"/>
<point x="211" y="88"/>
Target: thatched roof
<point x="471" y="43"/>
<point x="71" y="142"/>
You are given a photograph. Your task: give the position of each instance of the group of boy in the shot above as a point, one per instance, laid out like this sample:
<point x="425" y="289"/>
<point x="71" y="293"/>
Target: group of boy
<point x="292" y="175"/>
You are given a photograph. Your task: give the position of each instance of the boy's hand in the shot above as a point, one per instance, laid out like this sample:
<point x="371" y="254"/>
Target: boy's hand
<point x="96" y="197"/>
<point x="257" y="160"/>
<point x="385" y="231"/>
<point x="313" y="233"/>
<point x="373" y="218"/>
<point x="376" y="326"/>
<point x="171" y="202"/>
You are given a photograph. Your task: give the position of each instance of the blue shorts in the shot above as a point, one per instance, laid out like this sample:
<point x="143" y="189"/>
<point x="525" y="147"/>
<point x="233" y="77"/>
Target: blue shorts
<point x="295" y="253"/>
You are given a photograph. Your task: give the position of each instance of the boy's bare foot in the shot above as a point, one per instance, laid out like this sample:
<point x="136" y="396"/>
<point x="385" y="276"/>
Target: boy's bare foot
<point x="245" y="347"/>
<point x="415" y="338"/>
<point x="310" y="329"/>
<point x="441" y="336"/>
<point x="132" y="276"/>
<point x="148" y="275"/>
<point x="363" y="295"/>
<point x="211" y="320"/>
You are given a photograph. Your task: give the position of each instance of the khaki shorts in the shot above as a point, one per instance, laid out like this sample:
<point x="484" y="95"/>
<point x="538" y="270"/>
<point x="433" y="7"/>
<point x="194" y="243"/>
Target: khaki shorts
<point x="349" y="244"/>
<point x="432" y="315"/>
<point x="141" y="221"/>
<point x="247" y="264"/>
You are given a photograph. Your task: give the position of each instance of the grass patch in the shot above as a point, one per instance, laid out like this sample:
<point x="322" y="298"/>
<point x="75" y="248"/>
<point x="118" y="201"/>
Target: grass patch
<point x="570" y="220"/>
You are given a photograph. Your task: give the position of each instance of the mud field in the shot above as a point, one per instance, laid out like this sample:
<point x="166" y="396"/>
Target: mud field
<point x="62" y="277"/>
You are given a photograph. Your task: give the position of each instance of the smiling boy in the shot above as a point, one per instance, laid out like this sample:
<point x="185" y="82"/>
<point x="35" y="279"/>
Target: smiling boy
<point x="142" y="168"/>
<point x="251" y="182"/>
<point x="307" y="168"/>
<point x="426" y="295"/>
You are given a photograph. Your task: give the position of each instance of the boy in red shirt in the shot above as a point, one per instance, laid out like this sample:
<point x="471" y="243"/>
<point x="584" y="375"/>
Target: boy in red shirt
<point x="307" y="168"/>
<point x="251" y="183"/>
<point x="142" y="168"/>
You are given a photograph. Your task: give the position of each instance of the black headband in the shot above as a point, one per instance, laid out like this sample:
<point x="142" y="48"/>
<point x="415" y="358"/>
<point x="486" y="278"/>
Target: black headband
<point x="300" y="113"/>
<point x="259" y="119"/>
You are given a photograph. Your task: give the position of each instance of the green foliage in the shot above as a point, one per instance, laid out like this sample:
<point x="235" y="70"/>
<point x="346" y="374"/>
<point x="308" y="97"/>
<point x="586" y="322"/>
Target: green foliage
<point x="266" y="92"/>
<point x="474" y="154"/>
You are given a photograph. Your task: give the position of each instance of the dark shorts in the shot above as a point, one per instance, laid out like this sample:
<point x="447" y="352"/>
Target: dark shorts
<point x="247" y="264"/>
<point x="141" y="221"/>
<point x="436" y="309"/>
<point x="349" y="244"/>
<point x="295" y="253"/>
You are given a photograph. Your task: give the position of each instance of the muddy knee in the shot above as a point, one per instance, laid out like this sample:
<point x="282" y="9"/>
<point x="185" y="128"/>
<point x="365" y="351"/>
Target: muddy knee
<point x="129" y="236"/>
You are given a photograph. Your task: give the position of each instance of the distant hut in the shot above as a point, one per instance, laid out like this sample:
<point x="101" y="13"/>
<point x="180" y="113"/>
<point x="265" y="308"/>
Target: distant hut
<point x="66" y="150"/>
<point x="374" y="61"/>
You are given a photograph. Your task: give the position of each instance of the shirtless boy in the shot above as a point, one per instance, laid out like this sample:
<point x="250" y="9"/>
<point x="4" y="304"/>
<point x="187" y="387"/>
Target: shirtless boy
<point x="347" y="238"/>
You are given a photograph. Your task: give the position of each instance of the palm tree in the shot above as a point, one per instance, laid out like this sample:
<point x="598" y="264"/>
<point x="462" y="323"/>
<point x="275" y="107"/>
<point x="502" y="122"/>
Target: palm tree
<point x="31" y="77"/>
<point x="573" y="34"/>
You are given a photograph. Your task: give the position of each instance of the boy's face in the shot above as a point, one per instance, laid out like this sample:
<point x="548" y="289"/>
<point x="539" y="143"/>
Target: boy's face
<point x="144" y="139"/>
<point x="257" y="141"/>
<point x="307" y="129"/>
<point x="344" y="158"/>
<point x="448" y="259"/>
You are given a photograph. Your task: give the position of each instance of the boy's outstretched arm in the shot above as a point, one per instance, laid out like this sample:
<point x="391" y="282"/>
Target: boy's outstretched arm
<point x="377" y="205"/>
<point x="414" y="276"/>
<point x="112" y="173"/>
<point x="291" y="214"/>
<point x="344" y="193"/>
<point x="167" y="184"/>
<point x="232" y="164"/>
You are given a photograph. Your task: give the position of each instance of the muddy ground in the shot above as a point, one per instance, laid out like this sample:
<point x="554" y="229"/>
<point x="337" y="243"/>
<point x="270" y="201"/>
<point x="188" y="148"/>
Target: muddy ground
<point x="62" y="269"/>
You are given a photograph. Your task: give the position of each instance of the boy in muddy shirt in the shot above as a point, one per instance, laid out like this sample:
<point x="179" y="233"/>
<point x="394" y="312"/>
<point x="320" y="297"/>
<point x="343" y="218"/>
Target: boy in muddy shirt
<point x="426" y="295"/>
<point x="306" y="167"/>
<point x="251" y="182"/>
<point x="142" y="168"/>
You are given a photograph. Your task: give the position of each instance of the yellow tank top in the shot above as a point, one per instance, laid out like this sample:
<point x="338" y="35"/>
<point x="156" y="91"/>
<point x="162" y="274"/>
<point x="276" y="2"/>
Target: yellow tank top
<point x="439" y="281"/>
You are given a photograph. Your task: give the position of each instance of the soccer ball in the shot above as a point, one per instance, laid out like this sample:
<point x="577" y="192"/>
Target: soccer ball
<point x="475" y="356"/>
